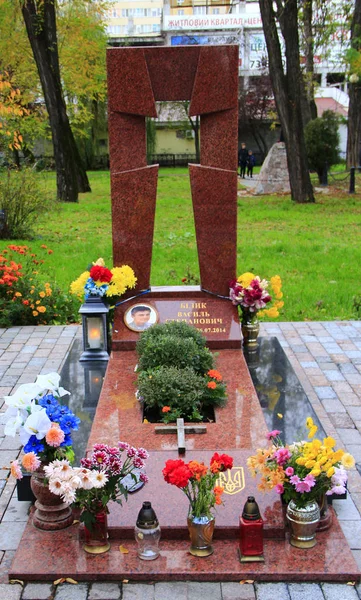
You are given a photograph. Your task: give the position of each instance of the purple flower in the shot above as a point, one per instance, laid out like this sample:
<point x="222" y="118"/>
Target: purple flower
<point x="295" y="479"/>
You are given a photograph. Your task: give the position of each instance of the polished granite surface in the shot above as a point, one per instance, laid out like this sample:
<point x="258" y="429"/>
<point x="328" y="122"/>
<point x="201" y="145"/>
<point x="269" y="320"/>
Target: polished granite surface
<point x="284" y="403"/>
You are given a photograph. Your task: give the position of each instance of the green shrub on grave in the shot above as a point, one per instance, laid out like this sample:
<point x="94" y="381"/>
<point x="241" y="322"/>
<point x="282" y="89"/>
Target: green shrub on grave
<point x="179" y="329"/>
<point x="171" y="350"/>
<point x="176" y="374"/>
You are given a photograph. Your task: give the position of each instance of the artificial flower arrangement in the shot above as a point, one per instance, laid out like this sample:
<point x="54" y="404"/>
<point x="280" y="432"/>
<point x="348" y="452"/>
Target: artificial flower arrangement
<point x="103" y="282"/>
<point x="198" y="482"/>
<point x="176" y="374"/>
<point x="99" y="479"/>
<point x="302" y="471"/>
<point x="44" y="424"/>
<point x="250" y="294"/>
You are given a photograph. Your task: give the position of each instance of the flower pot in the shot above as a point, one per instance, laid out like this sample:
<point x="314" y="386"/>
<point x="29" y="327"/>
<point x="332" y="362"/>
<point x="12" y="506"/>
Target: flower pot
<point x="51" y="513"/>
<point x="325" y="521"/>
<point x="201" y="535"/>
<point x="96" y="538"/>
<point x="250" y="331"/>
<point x="303" y="524"/>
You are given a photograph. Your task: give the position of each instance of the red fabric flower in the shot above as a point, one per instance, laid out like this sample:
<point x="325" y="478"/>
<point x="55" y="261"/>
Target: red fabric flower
<point x="221" y="462"/>
<point x="176" y="472"/>
<point x="101" y="274"/>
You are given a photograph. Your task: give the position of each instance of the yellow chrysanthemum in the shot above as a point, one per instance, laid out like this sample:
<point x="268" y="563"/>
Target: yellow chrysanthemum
<point x="245" y="279"/>
<point x="123" y="278"/>
<point x="322" y="460"/>
<point x="348" y="461"/>
<point x="309" y="422"/>
<point x="329" y="442"/>
<point x="330" y="472"/>
<point x="272" y="312"/>
<point x="337" y="456"/>
<point x="301" y="461"/>
<point x="312" y="431"/>
<point x="310" y="463"/>
<point x="77" y="287"/>
<point x="315" y="471"/>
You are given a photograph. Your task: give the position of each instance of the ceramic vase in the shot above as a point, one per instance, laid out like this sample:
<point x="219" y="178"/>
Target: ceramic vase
<point x="303" y="523"/>
<point x="51" y="513"/>
<point x="201" y="535"/>
<point x="250" y="331"/>
<point x="96" y="537"/>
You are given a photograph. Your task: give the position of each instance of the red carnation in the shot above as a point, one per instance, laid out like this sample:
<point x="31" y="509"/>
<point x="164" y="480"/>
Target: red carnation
<point x="176" y="472"/>
<point x="101" y="274"/>
<point x="222" y="462"/>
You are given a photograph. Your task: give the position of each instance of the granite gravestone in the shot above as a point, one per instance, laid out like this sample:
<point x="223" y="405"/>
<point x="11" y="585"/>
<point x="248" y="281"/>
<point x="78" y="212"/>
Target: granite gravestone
<point x="208" y="78"/>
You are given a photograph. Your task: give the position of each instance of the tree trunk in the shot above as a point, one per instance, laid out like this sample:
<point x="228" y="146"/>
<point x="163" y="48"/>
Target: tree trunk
<point x="287" y="86"/>
<point x="354" y="111"/>
<point x="310" y="108"/>
<point x="40" y="22"/>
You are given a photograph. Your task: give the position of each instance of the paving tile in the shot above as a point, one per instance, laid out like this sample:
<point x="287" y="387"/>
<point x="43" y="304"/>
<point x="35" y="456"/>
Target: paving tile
<point x="10" y="534"/>
<point x="272" y="591"/>
<point x="333" y="406"/>
<point x="176" y="590"/>
<point x="354" y="412"/>
<point x="348" y="368"/>
<point x="341" y="419"/>
<point x="6" y="456"/>
<point x="355" y="450"/>
<point x="235" y="591"/>
<point x="197" y="590"/>
<point x="339" y="591"/>
<point x="140" y="591"/>
<point x="10" y="592"/>
<point x="346" y="509"/>
<point x="67" y="591"/>
<point x="104" y="591"/>
<point x="37" y="591"/>
<point x="6" y="562"/>
<point x="349" y="436"/>
<point x="325" y="392"/>
<point x="17" y="511"/>
<point x="353" y="378"/>
<point x="305" y="591"/>
<point x="11" y="443"/>
<point x="333" y="375"/>
<point x="352" y="532"/>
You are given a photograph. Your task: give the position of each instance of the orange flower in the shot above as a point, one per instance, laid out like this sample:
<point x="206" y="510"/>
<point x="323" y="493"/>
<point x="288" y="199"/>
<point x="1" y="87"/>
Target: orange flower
<point x="215" y="374"/>
<point x="30" y="461"/>
<point x="41" y="309"/>
<point x="42" y="294"/>
<point x="35" y="313"/>
<point x="211" y="385"/>
<point x="43" y="246"/>
<point x="25" y="302"/>
<point x="197" y="469"/>
<point x="50" y="251"/>
<point x="166" y="409"/>
<point x="55" y="436"/>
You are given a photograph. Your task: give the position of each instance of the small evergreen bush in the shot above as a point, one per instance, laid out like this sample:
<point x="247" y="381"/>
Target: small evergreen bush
<point x="180" y="329"/>
<point x="171" y="350"/>
<point x="322" y="142"/>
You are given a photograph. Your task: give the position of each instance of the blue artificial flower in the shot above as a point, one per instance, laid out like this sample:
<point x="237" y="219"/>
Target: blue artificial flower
<point x="91" y="289"/>
<point x="34" y="445"/>
<point x="48" y="400"/>
<point x="53" y="412"/>
<point x="69" y="422"/>
<point x="67" y="441"/>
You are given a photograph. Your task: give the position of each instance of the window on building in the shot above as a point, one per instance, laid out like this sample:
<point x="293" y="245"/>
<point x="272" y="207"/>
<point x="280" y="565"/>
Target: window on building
<point x="215" y="11"/>
<point x="124" y="12"/>
<point x="156" y="27"/>
<point x="180" y="12"/>
<point x="200" y="10"/>
<point x="114" y="13"/>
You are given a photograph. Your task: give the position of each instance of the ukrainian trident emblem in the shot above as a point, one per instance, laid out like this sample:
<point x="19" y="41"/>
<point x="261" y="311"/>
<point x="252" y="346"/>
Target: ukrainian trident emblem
<point x="232" y="480"/>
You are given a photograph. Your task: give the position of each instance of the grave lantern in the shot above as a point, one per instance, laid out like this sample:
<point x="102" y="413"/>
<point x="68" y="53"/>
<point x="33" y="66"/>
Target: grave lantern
<point x="251" y="532"/>
<point x="94" y="315"/>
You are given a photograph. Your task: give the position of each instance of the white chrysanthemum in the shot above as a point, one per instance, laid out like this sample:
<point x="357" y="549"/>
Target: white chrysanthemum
<point x="99" y="479"/>
<point x="87" y="481"/>
<point x="56" y="486"/>
<point x="69" y="494"/>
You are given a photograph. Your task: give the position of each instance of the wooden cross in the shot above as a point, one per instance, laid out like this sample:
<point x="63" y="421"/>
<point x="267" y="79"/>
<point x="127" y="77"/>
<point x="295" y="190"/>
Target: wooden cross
<point x="180" y="429"/>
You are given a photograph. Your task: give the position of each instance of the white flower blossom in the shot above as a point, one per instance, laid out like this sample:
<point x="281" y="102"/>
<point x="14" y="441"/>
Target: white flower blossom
<point x="50" y="382"/>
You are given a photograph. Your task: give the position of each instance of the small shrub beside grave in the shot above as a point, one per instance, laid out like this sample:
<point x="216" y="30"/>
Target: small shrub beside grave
<point x="177" y="378"/>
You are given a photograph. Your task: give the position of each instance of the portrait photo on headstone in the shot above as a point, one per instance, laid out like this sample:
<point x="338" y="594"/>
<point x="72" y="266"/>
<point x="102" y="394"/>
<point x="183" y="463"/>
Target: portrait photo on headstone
<point x="140" y="317"/>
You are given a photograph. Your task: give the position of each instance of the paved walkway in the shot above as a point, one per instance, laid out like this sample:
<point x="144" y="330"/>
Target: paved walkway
<point x="327" y="359"/>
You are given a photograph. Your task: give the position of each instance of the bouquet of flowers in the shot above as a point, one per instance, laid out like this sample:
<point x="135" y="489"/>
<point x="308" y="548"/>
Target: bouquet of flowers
<point x="198" y="481"/>
<point x="302" y="471"/>
<point x="99" y="479"/>
<point x="103" y="282"/>
<point x="43" y="423"/>
<point x="250" y="293"/>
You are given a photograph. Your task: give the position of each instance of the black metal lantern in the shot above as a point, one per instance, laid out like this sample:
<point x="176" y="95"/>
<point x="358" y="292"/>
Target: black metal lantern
<point x="94" y="315"/>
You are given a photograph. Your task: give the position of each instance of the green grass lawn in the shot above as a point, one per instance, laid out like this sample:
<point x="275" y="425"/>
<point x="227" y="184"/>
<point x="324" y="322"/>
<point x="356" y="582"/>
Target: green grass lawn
<point x="315" y="248"/>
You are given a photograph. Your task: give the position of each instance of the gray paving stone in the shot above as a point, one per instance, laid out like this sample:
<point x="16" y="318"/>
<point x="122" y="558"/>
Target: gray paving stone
<point x="325" y="392"/>
<point x="305" y="591"/>
<point x="10" y="592"/>
<point x="349" y="436"/>
<point x="333" y="375"/>
<point x="352" y="532"/>
<point x="348" y="368"/>
<point x="236" y="591"/>
<point x="272" y="591"/>
<point x="37" y="591"/>
<point x="139" y="591"/>
<point x="176" y="590"/>
<point x="355" y="450"/>
<point x="354" y="412"/>
<point x="211" y="591"/>
<point x="68" y="591"/>
<point x="10" y="534"/>
<point x="6" y="456"/>
<point x="104" y="591"/>
<point x="346" y="509"/>
<point x="339" y="591"/>
<point x="11" y="443"/>
<point x="17" y="511"/>
<point x="333" y="406"/>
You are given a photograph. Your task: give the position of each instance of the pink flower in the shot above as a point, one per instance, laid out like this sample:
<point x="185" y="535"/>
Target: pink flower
<point x="55" y="436"/>
<point x="131" y="452"/>
<point x="31" y="462"/>
<point x="282" y="455"/>
<point x="273" y="434"/>
<point x="310" y="479"/>
<point x="99" y="447"/>
<point x="279" y="488"/>
<point x="16" y="470"/>
<point x="142" y="453"/>
<point x="123" y="445"/>
<point x="143" y="477"/>
<point x="289" y="471"/>
<point x="86" y="463"/>
<point x="303" y="486"/>
<point x="295" y="479"/>
<point x="138" y="462"/>
<point x="100" y="458"/>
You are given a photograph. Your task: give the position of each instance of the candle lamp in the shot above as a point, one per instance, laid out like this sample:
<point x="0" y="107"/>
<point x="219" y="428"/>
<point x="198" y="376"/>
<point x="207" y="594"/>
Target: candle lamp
<point x="251" y="533"/>
<point x="95" y="329"/>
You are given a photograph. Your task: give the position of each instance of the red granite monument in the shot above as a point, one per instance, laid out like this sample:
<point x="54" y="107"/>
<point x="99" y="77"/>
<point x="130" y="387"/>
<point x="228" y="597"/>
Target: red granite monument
<point x="208" y="78"/>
